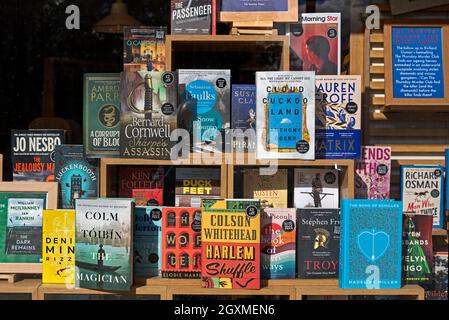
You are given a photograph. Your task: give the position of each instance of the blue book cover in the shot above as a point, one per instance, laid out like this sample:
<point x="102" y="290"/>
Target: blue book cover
<point x="447" y="179"/>
<point x="243" y="106"/>
<point x="147" y="242"/>
<point x="370" y="244"/>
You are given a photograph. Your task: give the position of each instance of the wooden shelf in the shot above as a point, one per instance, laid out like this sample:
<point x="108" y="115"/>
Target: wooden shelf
<point x="26" y="286"/>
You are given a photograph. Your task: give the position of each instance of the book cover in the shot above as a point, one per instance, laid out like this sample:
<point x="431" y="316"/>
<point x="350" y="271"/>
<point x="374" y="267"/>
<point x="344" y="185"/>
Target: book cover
<point x="21" y="226"/>
<point x="204" y="98"/>
<point x="194" y="184"/>
<point x="33" y="154"/>
<point x="103" y="244"/>
<point x="422" y="190"/>
<point x="338" y="117"/>
<point x="278" y="243"/>
<point x="101" y="111"/>
<point x="148" y="197"/>
<point x="181" y="242"/>
<point x="58" y="248"/>
<point x="316" y="188"/>
<point x="144" y="48"/>
<point x="446" y="153"/>
<point x="147" y="242"/>
<point x="77" y="176"/>
<point x="148" y="114"/>
<point x="418" y="249"/>
<point x="318" y="243"/>
<point x="193" y="17"/>
<point x="315" y="43"/>
<point x="438" y="289"/>
<point x="270" y="190"/>
<point x="373" y="173"/>
<point x="243" y="117"/>
<point x="370" y="244"/>
<point x="135" y="177"/>
<point x="230" y="237"/>
<point x="285" y="125"/>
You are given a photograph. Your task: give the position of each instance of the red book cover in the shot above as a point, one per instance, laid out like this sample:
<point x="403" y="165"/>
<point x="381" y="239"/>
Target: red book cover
<point x="181" y="242"/>
<point x="148" y="197"/>
<point x="140" y="178"/>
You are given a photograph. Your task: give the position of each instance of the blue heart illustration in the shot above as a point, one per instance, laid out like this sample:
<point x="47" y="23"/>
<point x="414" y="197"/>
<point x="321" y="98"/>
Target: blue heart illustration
<point x="373" y="244"/>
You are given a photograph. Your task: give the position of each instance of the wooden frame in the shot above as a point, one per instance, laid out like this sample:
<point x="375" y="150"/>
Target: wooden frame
<point x="390" y="100"/>
<point x="257" y="16"/>
<point x="51" y="188"/>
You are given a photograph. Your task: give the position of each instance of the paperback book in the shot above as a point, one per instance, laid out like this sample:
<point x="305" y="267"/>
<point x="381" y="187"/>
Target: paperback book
<point x="230" y="237"/>
<point x="338" y="117"/>
<point x="195" y="184"/>
<point x="33" y="154"/>
<point x="438" y="289"/>
<point x="243" y="117"/>
<point x="371" y="236"/>
<point x="318" y="243"/>
<point x="422" y="189"/>
<point x="181" y="242"/>
<point x="193" y="17"/>
<point x="205" y="107"/>
<point x="103" y="244"/>
<point x="148" y="114"/>
<point x="418" y="249"/>
<point x="278" y="243"/>
<point x="144" y="48"/>
<point x="316" y="188"/>
<point x="315" y="43"/>
<point x="372" y="173"/>
<point x="271" y="190"/>
<point x="21" y="226"/>
<point x="285" y="125"/>
<point x="58" y="248"/>
<point x="446" y="153"/>
<point x="147" y="242"/>
<point x="150" y="180"/>
<point x="77" y="176"/>
<point x="101" y="113"/>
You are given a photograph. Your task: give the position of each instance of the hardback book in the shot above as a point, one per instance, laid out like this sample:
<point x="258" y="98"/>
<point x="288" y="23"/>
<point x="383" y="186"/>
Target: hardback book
<point x="243" y="117"/>
<point x="271" y="190"/>
<point x="278" y="243"/>
<point x="147" y="242"/>
<point x="372" y="173"/>
<point x="230" y="236"/>
<point x="21" y="226"/>
<point x="285" y="125"/>
<point x="316" y="188"/>
<point x="33" y="154"/>
<point x="422" y="189"/>
<point x="181" y="242"/>
<point x="204" y="98"/>
<point x="104" y="244"/>
<point x="446" y="153"/>
<point x="318" y="243"/>
<point x="418" y="249"/>
<point x="58" y="247"/>
<point x="338" y="117"/>
<point x="77" y="176"/>
<point x="193" y="17"/>
<point x="144" y="48"/>
<point x="101" y="113"/>
<point x="148" y="197"/>
<point x="315" y="43"/>
<point x="371" y="235"/>
<point x="148" y="114"/>
<point x="194" y="184"/>
<point x="438" y="289"/>
<point x="140" y="178"/>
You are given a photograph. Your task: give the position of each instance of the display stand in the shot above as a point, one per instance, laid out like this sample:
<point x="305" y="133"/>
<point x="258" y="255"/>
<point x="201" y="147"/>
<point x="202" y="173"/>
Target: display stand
<point x="26" y="286"/>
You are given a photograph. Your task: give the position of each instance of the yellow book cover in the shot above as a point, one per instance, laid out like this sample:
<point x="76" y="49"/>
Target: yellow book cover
<point x="270" y="190"/>
<point x="58" y="246"/>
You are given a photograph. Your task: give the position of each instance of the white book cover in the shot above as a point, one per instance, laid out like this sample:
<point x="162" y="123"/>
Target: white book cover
<point x="285" y="115"/>
<point x="316" y="188"/>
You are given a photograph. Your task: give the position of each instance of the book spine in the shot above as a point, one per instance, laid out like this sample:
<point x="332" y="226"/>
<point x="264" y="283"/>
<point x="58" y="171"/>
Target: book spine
<point x="214" y="18"/>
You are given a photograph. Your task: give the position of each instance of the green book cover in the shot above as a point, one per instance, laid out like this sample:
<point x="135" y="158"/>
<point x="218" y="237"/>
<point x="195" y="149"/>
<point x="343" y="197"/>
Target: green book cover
<point x="21" y="226"/>
<point x="101" y="125"/>
<point x="103" y="250"/>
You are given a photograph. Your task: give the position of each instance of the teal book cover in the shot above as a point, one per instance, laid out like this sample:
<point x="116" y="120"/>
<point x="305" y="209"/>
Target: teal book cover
<point x="370" y="244"/>
<point x="103" y="249"/>
<point x="147" y="242"/>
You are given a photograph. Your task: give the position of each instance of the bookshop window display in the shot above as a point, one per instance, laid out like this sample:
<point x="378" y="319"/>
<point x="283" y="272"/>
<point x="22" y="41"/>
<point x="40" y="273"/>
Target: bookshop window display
<point x="206" y="149"/>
